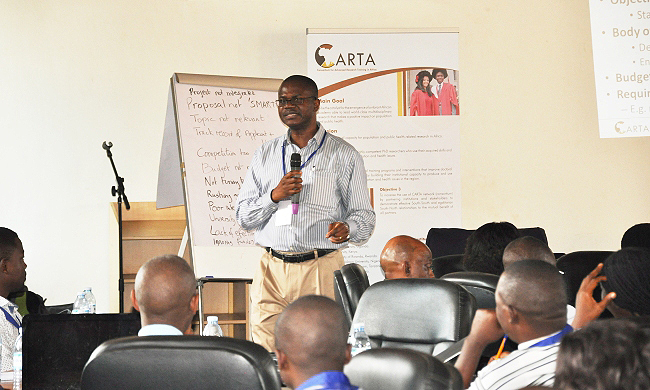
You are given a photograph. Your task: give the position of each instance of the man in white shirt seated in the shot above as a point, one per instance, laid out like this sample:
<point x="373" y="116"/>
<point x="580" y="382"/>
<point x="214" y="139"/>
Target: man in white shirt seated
<point x="12" y="279"/>
<point x="531" y="309"/>
<point x="530" y="248"/>
<point x="165" y="294"/>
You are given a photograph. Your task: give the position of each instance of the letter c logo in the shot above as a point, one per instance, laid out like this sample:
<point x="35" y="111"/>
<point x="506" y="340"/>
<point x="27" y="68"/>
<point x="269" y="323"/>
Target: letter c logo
<point x="618" y="129"/>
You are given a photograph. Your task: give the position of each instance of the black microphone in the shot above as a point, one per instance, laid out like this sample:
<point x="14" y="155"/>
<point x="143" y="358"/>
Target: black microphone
<point x="295" y="166"/>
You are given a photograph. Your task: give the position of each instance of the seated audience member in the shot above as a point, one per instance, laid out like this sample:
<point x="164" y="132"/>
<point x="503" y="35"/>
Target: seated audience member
<point x="638" y="236"/>
<point x="606" y="354"/>
<point x="627" y="273"/>
<point x="527" y="248"/>
<point x="531" y="248"/>
<point x="165" y="294"/>
<point x="625" y="288"/>
<point x="12" y="279"/>
<point x="311" y="344"/>
<point x="406" y="257"/>
<point x="531" y="310"/>
<point x="484" y="248"/>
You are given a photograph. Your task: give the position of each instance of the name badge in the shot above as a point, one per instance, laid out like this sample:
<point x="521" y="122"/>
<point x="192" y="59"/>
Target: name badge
<point x="283" y="213"/>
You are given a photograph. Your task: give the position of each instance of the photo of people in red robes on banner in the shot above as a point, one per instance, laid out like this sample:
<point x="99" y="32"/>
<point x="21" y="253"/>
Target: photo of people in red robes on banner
<point x="435" y="93"/>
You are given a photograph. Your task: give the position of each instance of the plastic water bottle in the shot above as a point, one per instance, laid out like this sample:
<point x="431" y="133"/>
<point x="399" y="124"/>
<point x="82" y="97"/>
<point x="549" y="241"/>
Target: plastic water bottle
<point x="212" y="328"/>
<point x="18" y="361"/>
<point x="90" y="298"/>
<point x="360" y="340"/>
<point x="80" y="305"/>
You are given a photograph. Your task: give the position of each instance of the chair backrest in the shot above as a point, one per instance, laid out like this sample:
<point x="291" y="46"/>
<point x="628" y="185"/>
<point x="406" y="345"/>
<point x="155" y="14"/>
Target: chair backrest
<point x="577" y="265"/>
<point x="447" y="241"/>
<point x="444" y="265"/>
<point x="421" y="314"/>
<point x="350" y="282"/>
<point x="451" y="241"/>
<point x="180" y="362"/>
<point x="341" y="295"/>
<point x="401" y="369"/>
<point x="481" y="285"/>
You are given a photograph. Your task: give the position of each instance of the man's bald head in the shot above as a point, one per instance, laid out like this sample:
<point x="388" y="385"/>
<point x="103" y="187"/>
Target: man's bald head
<point x="527" y="248"/>
<point x="165" y="289"/>
<point x="406" y="257"/>
<point x="535" y="290"/>
<point x="312" y="333"/>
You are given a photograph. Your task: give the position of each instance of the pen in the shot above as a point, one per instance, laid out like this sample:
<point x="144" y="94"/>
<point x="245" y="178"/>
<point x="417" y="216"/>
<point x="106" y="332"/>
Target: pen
<point x="503" y="344"/>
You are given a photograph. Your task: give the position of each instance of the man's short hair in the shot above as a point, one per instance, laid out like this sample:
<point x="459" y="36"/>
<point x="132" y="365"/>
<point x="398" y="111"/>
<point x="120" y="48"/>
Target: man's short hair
<point x="527" y="248"/>
<point x="439" y="70"/>
<point x="304" y="81"/>
<point x="164" y="287"/>
<point x="605" y="354"/>
<point x="536" y="290"/>
<point x="8" y="242"/>
<point x="312" y="331"/>
<point x="628" y="275"/>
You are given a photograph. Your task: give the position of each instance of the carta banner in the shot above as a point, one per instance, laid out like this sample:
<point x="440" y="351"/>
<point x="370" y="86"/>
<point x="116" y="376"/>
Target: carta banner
<point x="396" y="97"/>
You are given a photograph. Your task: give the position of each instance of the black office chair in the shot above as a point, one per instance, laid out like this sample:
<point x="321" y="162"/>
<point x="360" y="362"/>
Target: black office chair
<point x="638" y="235"/>
<point x="451" y="241"/>
<point x="180" y="362"/>
<point x="481" y="285"/>
<point x="426" y="315"/>
<point x="349" y="283"/>
<point x="401" y="369"/>
<point x="577" y="265"/>
<point x="444" y="265"/>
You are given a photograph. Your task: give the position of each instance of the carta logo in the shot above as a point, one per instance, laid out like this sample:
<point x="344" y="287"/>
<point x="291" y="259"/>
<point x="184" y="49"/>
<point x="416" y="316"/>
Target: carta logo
<point x="622" y="128"/>
<point x="321" y="57"/>
<point x="618" y="128"/>
<point x="326" y="58"/>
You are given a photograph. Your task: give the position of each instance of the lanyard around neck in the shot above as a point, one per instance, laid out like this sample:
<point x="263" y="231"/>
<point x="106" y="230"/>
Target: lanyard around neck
<point x="284" y="145"/>
<point x="13" y="321"/>
<point x="556" y="338"/>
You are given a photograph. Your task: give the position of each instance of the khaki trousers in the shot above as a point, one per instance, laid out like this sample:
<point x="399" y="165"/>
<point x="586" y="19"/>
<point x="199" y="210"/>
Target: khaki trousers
<point x="276" y="284"/>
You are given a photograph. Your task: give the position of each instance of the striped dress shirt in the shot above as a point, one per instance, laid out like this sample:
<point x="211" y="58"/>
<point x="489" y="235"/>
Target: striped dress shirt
<point x="334" y="188"/>
<point x="9" y="333"/>
<point x="527" y="366"/>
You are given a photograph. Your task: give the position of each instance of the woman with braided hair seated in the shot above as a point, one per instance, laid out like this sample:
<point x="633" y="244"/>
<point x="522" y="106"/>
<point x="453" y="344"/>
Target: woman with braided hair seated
<point x="625" y="282"/>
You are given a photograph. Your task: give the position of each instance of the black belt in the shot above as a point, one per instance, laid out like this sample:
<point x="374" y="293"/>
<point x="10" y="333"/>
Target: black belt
<point x="299" y="257"/>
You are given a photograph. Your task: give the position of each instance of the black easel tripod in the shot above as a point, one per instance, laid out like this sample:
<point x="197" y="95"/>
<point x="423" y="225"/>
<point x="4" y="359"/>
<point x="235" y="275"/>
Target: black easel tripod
<point x="119" y="191"/>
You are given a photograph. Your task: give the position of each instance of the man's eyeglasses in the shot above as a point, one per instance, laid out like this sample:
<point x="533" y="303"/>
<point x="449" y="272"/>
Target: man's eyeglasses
<point x="295" y="101"/>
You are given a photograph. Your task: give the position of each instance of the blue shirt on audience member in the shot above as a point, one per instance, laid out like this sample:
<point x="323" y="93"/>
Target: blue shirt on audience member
<point x="328" y="380"/>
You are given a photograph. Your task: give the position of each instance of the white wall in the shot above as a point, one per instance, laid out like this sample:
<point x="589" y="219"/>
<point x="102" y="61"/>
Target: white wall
<point x="77" y="73"/>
